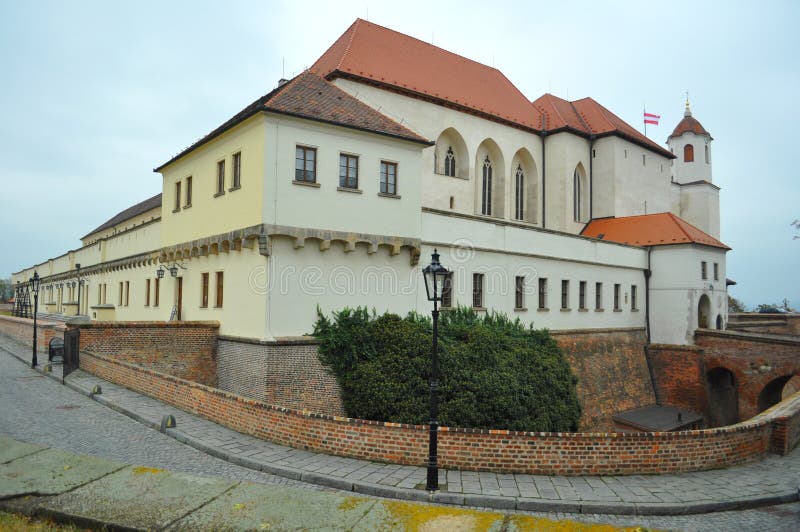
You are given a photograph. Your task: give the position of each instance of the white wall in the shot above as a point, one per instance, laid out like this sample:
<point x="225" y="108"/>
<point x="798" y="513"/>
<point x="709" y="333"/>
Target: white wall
<point x="676" y="286"/>
<point x="699" y="205"/>
<point x="699" y="169"/>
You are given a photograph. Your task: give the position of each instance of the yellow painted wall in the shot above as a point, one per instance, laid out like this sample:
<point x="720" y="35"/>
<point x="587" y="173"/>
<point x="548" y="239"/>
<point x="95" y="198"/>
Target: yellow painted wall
<point x="210" y="215"/>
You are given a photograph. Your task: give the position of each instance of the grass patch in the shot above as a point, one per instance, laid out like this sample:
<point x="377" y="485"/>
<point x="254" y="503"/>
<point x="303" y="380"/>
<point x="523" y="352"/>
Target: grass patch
<point x="21" y="523"/>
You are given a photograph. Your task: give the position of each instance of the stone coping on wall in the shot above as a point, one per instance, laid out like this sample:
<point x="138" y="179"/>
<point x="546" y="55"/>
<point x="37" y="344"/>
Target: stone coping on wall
<point x="283" y="340"/>
<point x="559" y="332"/>
<point x="766" y="338"/>
<point x="145" y="324"/>
<point x="462" y="448"/>
<point x="44" y="324"/>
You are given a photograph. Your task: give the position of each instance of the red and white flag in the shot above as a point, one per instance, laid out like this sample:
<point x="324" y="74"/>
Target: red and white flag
<point x="651" y="118"/>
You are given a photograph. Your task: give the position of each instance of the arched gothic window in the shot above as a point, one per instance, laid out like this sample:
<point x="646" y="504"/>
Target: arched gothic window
<point x="450" y="163"/>
<point x="486" y="188"/>
<point x="688" y="153"/>
<point x="519" y="203"/>
<point x="576" y="193"/>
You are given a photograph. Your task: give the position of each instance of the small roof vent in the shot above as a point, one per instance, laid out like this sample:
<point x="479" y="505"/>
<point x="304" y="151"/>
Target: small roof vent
<point x="282" y="82"/>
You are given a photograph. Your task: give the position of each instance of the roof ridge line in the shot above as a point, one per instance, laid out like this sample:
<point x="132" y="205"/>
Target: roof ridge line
<point x="678" y="221"/>
<point x="354" y="26"/>
<point x="580" y="117"/>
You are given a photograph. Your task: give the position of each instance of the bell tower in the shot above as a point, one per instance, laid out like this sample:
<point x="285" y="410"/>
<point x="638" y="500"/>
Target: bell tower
<point x="697" y="196"/>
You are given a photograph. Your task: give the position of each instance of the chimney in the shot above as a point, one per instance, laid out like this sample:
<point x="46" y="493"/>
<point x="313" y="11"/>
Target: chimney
<point x="282" y="82"/>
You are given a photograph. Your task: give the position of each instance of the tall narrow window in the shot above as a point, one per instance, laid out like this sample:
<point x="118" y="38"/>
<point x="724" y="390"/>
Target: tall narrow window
<point x="703" y="270"/>
<point x="519" y="203"/>
<point x="542" y="293"/>
<point x="305" y="164"/>
<point x="716" y="271"/>
<point x="707" y="160"/>
<point x="477" y="290"/>
<point x="237" y="170"/>
<point x="348" y="171"/>
<point x="616" y="297"/>
<point x="105" y="292"/>
<point x="204" y="290"/>
<point x="147" y="292"/>
<point x="177" y="197"/>
<point x="486" y="187"/>
<point x="189" y="191"/>
<point x="519" y="292"/>
<point x="220" y="289"/>
<point x="582" y="295"/>
<point x="564" y="294"/>
<point x="688" y="153"/>
<point x="99" y="295"/>
<point x="634" y="303"/>
<point x="576" y="195"/>
<point x="220" y="177"/>
<point x="388" y="178"/>
<point x="121" y="288"/>
<point x="450" y="162"/>
<point x="127" y="293"/>
<point x="447" y="291"/>
<point x="598" y="296"/>
<point x="156" y="291"/>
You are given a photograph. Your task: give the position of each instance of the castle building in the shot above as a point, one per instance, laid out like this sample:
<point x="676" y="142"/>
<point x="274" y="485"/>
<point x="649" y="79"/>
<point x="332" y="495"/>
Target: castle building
<point x="333" y="190"/>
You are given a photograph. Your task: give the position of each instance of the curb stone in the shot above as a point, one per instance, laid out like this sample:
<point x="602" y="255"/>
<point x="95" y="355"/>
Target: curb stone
<point x="484" y="501"/>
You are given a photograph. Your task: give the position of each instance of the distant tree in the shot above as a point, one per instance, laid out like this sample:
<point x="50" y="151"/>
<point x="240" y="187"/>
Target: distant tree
<point x="734" y="305"/>
<point x="796" y="225"/>
<point x="6" y="290"/>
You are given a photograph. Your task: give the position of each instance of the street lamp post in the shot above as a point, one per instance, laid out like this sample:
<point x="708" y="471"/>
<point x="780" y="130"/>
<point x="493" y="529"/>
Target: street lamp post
<point x="435" y="276"/>
<point x="35" y="282"/>
<point x="78" y="268"/>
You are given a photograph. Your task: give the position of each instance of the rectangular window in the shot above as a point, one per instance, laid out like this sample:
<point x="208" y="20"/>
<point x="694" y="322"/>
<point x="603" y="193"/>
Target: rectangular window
<point x="477" y="290"/>
<point x="703" y="270"/>
<point x="616" y="297"/>
<point x="220" y="177"/>
<point x="447" y="291"/>
<point x="564" y="294"/>
<point x="121" y="288"/>
<point x="633" y="298"/>
<point x="99" y="295"/>
<point x="177" y="197"/>
<point x="716" y="271"/>
<point x="147" y="292"/>
<point x="542" y="293"/>
<point x="598" y="296"/>
<point x="305" y="165"/>
<point x="220" y="286"/>
<point x="582" y="295"/>
<point x="127" y="292"/>
<point x="237" y="170"/>
<point x="156" y="292"/>
<point x="388" y="178"/>
<point x="189" y="191"/>
<point x="348" y="171"/>
<point x="105" y="291"/>
<point x="519" y="292"/>
<point x="204" y="290"/>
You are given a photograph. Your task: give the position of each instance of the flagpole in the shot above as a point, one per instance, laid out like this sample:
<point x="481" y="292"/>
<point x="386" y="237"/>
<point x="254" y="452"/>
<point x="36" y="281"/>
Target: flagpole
<point x="644" y="118"/>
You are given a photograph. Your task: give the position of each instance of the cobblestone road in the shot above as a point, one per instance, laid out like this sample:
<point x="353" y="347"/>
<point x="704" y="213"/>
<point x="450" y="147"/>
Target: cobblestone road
<point x="37" y="409"/>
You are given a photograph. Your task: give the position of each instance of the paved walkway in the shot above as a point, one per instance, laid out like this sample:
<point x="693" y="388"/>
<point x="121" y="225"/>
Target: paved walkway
<point x="771" y="481"/>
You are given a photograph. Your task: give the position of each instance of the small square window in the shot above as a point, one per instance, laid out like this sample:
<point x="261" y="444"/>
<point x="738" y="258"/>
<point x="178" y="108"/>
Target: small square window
<point x="348" y="171"/>
<point x="305" y="166"/>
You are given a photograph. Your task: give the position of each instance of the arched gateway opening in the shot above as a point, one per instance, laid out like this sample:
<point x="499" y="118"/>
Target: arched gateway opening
<point x="772" y="393"/>
<point x="723" y="400"/>
<point x="703" y="311"/>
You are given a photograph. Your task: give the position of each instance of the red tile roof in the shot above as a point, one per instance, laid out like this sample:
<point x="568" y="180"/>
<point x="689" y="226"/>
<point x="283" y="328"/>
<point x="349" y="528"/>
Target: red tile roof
<point x="588" y="117"/>
<point x="310" y="96"/>
<point x="660" y="229"/>
<point x="689" y="124"/>
<point x="386" y="57"/>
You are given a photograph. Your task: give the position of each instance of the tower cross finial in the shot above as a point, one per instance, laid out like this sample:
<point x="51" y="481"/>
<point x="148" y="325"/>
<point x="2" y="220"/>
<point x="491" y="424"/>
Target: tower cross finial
<point x="688" y="111"/>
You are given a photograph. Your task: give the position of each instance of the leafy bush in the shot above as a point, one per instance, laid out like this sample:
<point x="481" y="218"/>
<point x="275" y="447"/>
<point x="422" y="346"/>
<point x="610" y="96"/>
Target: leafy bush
<point x="494" y="372"/>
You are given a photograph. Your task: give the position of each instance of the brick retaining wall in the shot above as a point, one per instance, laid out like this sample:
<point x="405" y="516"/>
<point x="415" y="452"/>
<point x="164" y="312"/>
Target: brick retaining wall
<point x="468" y="449"/>
<point x="287" y="373"/>
<point x="21" y="329"/>
<point x="612" y="372"/>
<point x="184" y="349"/>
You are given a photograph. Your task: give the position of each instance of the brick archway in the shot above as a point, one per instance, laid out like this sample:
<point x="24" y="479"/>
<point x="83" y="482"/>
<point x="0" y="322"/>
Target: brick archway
<point x="772" y="393"/>
<point x="723" y="397"/>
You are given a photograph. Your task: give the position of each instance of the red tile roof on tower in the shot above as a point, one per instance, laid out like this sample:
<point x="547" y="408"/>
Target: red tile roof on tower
<point x="310" y="96"/>
<point x="689" y="124"/>
<point x="385" y="57"/>
<point x="587" y="117"/>
<point x="660" y="229"/>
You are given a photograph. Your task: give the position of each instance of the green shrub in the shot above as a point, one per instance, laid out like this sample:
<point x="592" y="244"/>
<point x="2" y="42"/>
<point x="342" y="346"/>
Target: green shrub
<point x="494" y="372"/>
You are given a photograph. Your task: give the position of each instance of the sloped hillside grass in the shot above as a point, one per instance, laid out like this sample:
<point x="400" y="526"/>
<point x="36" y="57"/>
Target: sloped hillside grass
<point x="494" y="372"/>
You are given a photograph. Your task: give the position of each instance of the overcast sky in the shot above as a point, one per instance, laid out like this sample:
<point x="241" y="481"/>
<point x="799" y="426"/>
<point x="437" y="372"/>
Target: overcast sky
<point x="95" y="95"/>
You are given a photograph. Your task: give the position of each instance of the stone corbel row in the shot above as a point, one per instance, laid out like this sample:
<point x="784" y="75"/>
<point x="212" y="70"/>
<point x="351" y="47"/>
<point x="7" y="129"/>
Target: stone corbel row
<point x="263" y="234"/>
